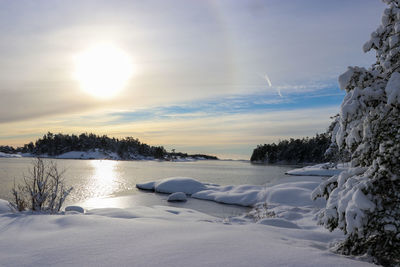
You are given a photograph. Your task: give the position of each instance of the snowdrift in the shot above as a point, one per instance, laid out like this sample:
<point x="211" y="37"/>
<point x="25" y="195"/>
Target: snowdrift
<point x="319" y="170"/>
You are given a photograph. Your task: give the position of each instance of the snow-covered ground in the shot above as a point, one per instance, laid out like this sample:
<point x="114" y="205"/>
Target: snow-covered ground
<point x="95" y="154"/>
<point x="324" y="169"/>
<point x="7" y="155"/>
<point x="284" y="234"/>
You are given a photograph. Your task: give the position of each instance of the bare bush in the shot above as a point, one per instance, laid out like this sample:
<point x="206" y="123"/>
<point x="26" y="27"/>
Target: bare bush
<point x="42" y="190"/>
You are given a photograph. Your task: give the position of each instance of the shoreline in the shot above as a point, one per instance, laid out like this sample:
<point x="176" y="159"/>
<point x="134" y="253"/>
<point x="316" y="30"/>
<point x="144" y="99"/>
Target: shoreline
<point x="284" y="234"/>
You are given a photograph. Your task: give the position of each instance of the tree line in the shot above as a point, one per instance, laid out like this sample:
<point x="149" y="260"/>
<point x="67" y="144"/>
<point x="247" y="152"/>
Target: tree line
<point x="305" y="150"/>
<point x="126" y="148"/>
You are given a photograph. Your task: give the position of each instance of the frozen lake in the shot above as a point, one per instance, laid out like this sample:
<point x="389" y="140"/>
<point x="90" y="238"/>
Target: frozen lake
<point x="96" y="182"/>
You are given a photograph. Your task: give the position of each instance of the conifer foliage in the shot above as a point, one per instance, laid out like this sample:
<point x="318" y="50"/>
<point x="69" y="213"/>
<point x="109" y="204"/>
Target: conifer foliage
<point x="364" y="201"/>
<point x="305" y="150"/>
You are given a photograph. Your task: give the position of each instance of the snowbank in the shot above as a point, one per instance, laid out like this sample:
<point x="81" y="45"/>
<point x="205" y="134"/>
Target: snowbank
<point x="5" y="206"/>
<point x="175" y="184"/>
<point x="95" y="154"/>
<point x="285" y="233"/>
<point x="74" y="209"/>
<point x="319" y="170"/>
<point x="178" y="197"/>
<point x="293" y="193"/>
<point x="160" y="236"/>
<point x="6" y="155"/>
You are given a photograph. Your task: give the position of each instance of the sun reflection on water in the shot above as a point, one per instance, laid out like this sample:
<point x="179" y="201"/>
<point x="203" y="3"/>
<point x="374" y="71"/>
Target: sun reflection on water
<point x="105" y="178"/>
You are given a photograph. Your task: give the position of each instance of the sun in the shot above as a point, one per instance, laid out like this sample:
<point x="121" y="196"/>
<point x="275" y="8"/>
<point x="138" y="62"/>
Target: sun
<point x="103" y="70"/>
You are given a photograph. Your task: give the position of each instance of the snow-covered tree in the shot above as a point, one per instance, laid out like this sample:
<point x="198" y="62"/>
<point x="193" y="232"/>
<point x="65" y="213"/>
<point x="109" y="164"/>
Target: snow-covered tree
<point x="364" y="201"/>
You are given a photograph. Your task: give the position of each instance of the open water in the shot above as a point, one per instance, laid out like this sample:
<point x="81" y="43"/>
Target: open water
<point x="109" y="183"/>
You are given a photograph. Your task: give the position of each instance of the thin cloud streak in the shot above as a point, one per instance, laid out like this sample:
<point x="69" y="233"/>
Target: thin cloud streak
<point x="240" y="131"/>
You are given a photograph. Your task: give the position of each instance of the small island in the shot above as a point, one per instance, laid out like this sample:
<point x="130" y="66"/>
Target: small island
<point x="92" y="146"/>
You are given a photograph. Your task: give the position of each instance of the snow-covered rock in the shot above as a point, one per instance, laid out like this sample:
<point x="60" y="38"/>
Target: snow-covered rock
<point x="175" y="184"/>
<point x="294" y="193"/>
<point x="289" y="232"/>
<point x="147" y="186"/>
<point x="319" y="170"/>
<point x="177" y="197"/>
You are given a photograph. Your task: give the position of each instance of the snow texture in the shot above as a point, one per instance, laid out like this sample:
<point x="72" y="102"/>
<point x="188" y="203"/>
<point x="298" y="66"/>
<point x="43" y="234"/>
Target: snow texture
<point x="244" y="195"/>
<point x="175" y="184"/>
<point x="393" y="89"/>
<point x="7" y="155"/>
<point x="169" y="236"/>
<point x="345" y="78"/>
<point x="99" y="154"/>
<point x="75" y="209"/>
<point x="178" y="196"/>
<point x="95" y="154"/>
<point x="5" y="206"/>
<point x="363" y="200"/>
<point x="319" y="170"/>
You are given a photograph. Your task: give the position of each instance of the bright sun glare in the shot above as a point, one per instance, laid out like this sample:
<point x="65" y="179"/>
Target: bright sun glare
<point x="103" y="70"/>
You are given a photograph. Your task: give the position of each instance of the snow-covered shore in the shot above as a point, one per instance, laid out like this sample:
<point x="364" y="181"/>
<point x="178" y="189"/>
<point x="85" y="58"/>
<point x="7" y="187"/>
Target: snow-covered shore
<point x="96" y="154"/>
<point x="286" y="234"/>
<point x="7" y="155"/>
<point x="324" y="169"/>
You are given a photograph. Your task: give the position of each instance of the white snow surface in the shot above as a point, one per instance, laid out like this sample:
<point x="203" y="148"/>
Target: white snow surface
<point x="173" y="185"/>
<point x="345" y="78"/>
<point x="98" y="154"/>
<point x="95" y="154"/>
<point x="5" y="206"/>
<point x="292" y="193"/>
<point x="393" y="89"/>
<point x="7" y="155"/>
<point x="75" y="209"/>
<point x="178" y="196"/>
<point x="170" y="236"/>
<point x="319" y="170"/>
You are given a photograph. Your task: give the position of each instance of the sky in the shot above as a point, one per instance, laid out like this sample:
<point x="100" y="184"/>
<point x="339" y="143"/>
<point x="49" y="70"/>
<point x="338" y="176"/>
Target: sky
<point x="213" y="76"/>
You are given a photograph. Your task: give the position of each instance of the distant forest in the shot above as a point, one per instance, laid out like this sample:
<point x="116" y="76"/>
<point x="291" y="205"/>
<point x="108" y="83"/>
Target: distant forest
<point x="126" y="148"/>
<point x="305" y="150"/>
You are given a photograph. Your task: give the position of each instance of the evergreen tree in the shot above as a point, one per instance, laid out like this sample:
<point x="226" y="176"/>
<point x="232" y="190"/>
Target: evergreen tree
<point x="126" y="148"/>
<point x="364" y="202"/>
<point x="305" y="150"/>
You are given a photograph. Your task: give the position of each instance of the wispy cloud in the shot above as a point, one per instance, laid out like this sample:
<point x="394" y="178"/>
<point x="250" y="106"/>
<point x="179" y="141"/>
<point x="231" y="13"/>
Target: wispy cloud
<point x="237" y="133"/>
<point x="197" y="65"/>
<point x="235" y="123"/>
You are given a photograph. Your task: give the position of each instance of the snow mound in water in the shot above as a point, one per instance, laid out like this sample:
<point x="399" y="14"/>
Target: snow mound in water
<point x="178" y="196"/>
<point x="291" y="194"/>
<point x="175" y="184"/>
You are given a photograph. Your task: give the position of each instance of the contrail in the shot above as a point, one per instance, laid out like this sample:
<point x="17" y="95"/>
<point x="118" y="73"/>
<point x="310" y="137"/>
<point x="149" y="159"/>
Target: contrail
<point x="268" y="80"/>
<point x="270" y="84"/>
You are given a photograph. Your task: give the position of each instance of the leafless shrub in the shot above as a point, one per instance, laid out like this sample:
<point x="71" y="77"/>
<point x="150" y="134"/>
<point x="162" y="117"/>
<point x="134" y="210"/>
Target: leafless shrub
<point x="42" y="190"/>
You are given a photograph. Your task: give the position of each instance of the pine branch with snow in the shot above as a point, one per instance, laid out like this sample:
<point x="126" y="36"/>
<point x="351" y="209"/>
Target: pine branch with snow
<point x="364" y="202"/>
